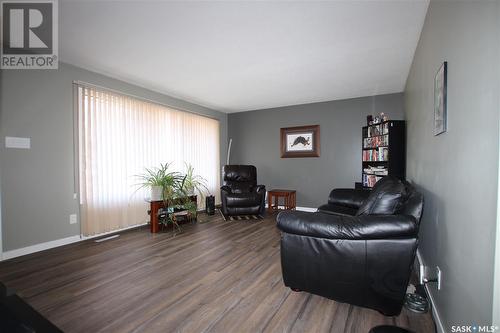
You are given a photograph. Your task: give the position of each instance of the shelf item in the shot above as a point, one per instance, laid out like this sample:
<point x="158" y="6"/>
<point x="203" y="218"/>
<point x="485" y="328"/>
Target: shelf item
<point x="380" y="154"/>
<point x="370" y="180"/>
<point x="383" y="151"/>
<point x="378" y="129"/>
<point x="376" y="141"/>
<point x="378" y="170"/>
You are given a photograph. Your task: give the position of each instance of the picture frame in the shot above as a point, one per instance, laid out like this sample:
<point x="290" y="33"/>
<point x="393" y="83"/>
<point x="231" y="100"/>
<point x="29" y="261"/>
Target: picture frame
<point x="300" y="141"/>
<point x="440" y="99"/>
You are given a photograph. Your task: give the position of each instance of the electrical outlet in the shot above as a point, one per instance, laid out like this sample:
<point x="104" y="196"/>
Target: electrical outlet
<point x="421" y="274"/>
<point x="439" y="277"/>
<point x="75" y="196"/>
<point x="73" y="219"/>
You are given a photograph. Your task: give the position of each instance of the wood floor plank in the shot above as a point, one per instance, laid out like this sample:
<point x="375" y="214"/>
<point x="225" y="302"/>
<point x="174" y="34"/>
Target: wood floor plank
<point x="214" y="276"/>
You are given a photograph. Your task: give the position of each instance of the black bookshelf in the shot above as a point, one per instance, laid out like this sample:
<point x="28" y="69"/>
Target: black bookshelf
<point x="383" y="151"/>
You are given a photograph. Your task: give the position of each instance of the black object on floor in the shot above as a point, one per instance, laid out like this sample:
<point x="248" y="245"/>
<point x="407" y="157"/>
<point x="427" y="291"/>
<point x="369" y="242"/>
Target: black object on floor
<point x="416" y="303"/>
<point x="210" y="205"/>
<point x="17" y="316"/>
<point x="388" y="329"/>
<point x="420" y="290"/>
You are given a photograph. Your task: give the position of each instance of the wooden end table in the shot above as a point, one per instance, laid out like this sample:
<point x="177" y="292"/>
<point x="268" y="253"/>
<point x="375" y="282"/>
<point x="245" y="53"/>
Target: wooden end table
<point x="274" y="195"/>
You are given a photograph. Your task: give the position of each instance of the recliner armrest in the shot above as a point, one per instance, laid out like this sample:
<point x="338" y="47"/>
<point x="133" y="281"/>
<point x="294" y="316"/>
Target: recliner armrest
<point x="260" y="188"/>
<point x="328" y="226"/>
<point x="226" y="189"/>
<point x="349" y="197"/>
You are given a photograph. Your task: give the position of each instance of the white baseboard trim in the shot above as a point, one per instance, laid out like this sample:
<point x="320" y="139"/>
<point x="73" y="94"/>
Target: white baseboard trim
<point x="40" y="247"/>
<point x="302" y="209"/>
<point x="113" y="231"/>
<point x="307" y="209"/>
<point x="58" y="242"/>
<point x="435" y="312"/>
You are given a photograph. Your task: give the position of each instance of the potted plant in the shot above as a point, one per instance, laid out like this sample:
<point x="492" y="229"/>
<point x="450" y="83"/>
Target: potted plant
<point x="174" y="189"/>
<point x="153" y="178"/>
<point x="193" y="183"/>
<point x="163" y="183"/>
<point x="191" y="207"/>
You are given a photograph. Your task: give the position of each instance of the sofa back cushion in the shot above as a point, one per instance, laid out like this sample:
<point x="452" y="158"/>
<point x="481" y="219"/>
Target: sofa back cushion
<point x="352" y="198"/>
<point x="385" y="198"/>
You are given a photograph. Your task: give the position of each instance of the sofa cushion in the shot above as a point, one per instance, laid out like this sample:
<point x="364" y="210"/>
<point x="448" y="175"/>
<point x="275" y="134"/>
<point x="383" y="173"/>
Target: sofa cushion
<point x="385" y="197"/>
<point x="337" y="210"/>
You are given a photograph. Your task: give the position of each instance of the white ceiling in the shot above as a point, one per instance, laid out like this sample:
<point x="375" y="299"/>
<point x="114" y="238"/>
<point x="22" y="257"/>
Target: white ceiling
<point x="237" y="56"/>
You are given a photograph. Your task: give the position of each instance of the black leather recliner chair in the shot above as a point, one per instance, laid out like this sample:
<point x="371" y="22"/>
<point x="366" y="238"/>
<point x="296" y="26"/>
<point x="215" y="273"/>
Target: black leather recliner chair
<point x="358" y="249"/>
<point x="240" y="194"/>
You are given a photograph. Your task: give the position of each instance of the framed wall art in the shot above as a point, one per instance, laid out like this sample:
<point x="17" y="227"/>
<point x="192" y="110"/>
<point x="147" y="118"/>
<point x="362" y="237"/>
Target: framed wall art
<point x="440" y="107"/>
<point x="300" y="141"/>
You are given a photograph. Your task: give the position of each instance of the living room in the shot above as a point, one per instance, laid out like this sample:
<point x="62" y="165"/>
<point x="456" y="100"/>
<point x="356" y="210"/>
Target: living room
<point x="214" y="98"/>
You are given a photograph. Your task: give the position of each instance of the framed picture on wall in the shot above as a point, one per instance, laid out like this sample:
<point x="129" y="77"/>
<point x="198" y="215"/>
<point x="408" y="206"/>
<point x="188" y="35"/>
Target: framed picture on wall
<point x="300" y="141"/>
<point x="440" y="112"/>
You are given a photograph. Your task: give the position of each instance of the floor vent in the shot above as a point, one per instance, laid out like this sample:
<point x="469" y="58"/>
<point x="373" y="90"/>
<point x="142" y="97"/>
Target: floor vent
<point x="106" y="238"/>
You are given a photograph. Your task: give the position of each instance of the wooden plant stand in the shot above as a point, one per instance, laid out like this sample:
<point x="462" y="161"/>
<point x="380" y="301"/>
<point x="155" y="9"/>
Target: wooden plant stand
<point x="157" y="205"/>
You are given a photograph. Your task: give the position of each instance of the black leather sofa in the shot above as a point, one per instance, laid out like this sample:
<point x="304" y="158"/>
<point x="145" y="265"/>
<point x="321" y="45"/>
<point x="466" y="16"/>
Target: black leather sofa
<point x="359" y="248"/>
<point x="240" y="194"/>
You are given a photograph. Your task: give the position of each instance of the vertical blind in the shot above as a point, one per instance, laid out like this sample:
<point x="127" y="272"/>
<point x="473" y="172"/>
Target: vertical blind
<point x="120" y="136"/>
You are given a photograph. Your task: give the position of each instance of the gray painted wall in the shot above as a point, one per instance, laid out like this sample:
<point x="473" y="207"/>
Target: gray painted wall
<point x="457" y="171"/>
<point x="256" y="140"/>
<point x="37" y="185"/>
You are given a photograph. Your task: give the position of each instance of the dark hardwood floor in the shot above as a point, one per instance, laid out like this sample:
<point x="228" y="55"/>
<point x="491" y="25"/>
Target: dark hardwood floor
<point x="215" y="276"/>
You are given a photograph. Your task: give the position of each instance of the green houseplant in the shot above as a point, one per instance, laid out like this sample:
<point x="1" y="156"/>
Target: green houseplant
<point x="191" y="207"/>
<point x="164" y="184"/>
<point x="174" y="188"/>
<point x="193" y="183"/>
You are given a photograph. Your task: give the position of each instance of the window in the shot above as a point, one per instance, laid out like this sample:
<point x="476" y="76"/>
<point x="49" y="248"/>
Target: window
<point x="119" y="136"/>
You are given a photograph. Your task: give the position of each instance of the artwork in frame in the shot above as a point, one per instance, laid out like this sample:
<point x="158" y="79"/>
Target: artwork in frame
<point x="300" y="141"/>
<point x="440" y="112"/>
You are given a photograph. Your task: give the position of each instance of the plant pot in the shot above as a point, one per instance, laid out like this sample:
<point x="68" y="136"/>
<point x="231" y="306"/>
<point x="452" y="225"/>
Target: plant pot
<point x="189" y="191"/>
<point x="156" y="193"/>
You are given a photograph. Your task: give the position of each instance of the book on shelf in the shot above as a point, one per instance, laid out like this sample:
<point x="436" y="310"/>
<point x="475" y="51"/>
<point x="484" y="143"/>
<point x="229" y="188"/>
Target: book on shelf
<point x="370" y="180"/>
<point x="377" y="170"/>
<point x="376" y="141"/>
<point x="380" y="154"/>
<point x="379" y="129"/>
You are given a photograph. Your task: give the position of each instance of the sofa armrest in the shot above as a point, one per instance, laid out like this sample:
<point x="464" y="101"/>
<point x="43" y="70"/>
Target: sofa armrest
<point x="328" y="226"/>
<point x="353" y="198"/>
